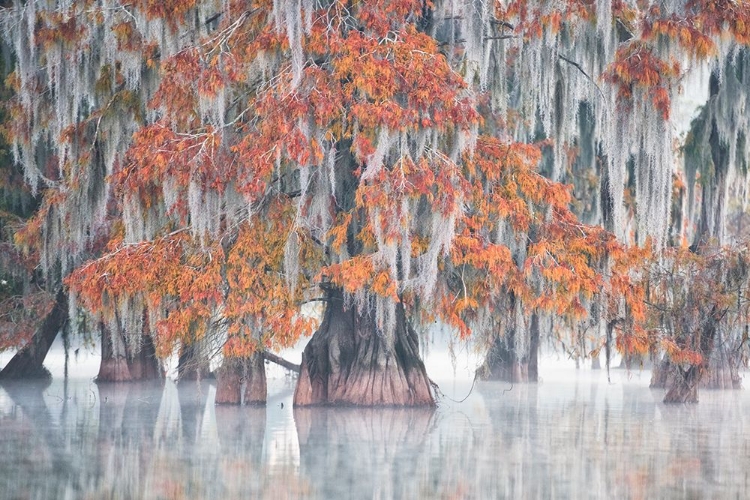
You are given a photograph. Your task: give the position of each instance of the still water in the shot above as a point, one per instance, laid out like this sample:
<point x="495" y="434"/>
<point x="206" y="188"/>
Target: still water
<point x="572" y="436"/>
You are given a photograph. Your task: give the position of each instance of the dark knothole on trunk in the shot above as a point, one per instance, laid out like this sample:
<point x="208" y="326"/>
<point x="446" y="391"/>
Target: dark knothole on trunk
<point x="348" y="362"/>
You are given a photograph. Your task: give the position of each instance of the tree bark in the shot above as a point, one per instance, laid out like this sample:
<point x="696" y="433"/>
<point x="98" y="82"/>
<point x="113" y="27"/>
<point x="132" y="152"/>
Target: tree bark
<point x="114" y="364"/>
<point x="229" y="383"/>
<point x="191" y="365"/>
<point x="720" y="373"/>
<point x="503" y="362"/>
<point x="348" y="362"/>
<point x="723" y="372"/>
<point x="683" y="386"/>
<point x="255" y="380"/>
<point x="143" y="364"/>
<point x="29" y="361"/>
<point x="235" y="374"/>
<point x="661" y="375"/>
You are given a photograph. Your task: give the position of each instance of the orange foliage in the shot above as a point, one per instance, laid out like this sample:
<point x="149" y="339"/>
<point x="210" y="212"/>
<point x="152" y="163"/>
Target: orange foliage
<point x="637" y="68"/>
<point x="367" y="72"/>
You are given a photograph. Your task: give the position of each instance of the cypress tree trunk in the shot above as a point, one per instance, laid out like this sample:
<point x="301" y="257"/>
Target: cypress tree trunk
<point x="661" y="375"/>
<point x="114" y="364"/>
<point x="723" y="370"/>
<point x="683" y="387"/>
<point x="191" y="365"/>
<point x="255" y="380"/>
<point x="229" y="383"/>
<point x="721" y="373"/>
<point x="234" y="373"/>
<point x="143" y="364"/>
<point x="29" y="361"/>
<point x="348" y="362"/>
<point x="503" y="362"/>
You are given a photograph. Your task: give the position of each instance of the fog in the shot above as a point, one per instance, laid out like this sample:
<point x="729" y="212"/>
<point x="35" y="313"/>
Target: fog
<point x="572" y="435"/>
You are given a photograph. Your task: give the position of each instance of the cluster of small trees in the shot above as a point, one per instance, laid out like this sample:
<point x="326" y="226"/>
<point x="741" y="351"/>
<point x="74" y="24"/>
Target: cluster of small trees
<point x="196" y="172"/>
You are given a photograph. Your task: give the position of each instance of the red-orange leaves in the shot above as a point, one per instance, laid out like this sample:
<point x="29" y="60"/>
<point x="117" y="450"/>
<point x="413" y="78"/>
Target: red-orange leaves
<point x="352" y="275"/>
<point x="697" y="43"/>
<point x="20" y="316"/>
<point x="128" y="38"/>
<point x="715" y="16"/>
<point x="509" y="200"/>
<point x="382" y="16"/>
<point x="177" y="94"/>
<point x="636" y="67"/>
<point x="65" y="28"/>
<point x="400" y="82"/>
<point x="159" y="157"/>
<point x="172" y="11"/>
<point x="261" y="309"/>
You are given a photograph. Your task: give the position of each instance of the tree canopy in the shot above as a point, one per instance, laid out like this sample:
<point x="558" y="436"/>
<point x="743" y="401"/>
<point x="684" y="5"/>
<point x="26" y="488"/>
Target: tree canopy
<point x="206" y="168"/>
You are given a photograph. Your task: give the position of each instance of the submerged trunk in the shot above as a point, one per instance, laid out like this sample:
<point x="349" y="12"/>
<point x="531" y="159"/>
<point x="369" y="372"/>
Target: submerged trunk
<point x="143" y="364"/>
<point x="191" y="365"/>
<point x="661" y="375"/>
<point x="721" y="372"/>
<point x="723" y="368"/>
<point x="255" y="380"/>
<point x="235" y="374"/>
<point x="349" y="362"/>
<point x="683" y="387"/>
<point x="29" y="361"/>
<point x="503" y="361"/>
<point x="124" y="362"/>
<point x="114" y="363"/>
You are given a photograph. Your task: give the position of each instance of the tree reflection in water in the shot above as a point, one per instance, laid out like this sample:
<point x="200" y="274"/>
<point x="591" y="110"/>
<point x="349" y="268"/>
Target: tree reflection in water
<point x="570" y="437"/>
<point x="363" y="453"/>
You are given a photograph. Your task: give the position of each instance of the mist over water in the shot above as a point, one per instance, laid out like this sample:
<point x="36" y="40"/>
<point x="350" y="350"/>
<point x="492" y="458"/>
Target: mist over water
<point x="574" y="435"/>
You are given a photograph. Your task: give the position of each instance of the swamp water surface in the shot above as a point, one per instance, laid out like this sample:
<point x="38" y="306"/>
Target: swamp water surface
<point x="572" y="436"/>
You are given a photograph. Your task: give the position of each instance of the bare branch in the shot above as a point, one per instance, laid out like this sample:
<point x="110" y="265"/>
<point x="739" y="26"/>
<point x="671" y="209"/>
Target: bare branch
<point x="578" y="66"/>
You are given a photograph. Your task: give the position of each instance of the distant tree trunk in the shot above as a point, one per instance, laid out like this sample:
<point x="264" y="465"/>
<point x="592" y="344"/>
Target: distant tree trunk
<point x="114" y="364"/>
<point x="190" y="364"/>
<point x="143" y="364"/>
<point x="631" y="361"/>
<point x="661" y="374"/>
<point x="234" y="373"/>
<point x="596" y="363"/>
<point x="503" y="361"/>
<point x="348" y="362"/>
<point x="683" y="387"/>
<point x="721" y="372"/>
<point x="29" y="361"/>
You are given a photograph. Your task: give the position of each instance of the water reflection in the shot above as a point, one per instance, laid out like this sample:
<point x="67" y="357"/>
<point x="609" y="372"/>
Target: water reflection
<point x="364" y="453"/>
<point x="571" y="436"/>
